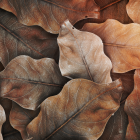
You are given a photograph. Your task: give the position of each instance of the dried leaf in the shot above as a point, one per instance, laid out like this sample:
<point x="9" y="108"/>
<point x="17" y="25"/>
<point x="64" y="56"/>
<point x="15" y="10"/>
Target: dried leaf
<point x="20" y="118"/>
<point x="28" y="82"/>
<point x="2" y="119"/>
<point x="50" y="14"/>
<point x="17" y="39"/>
<point x="13" y="136"/>
<point x="82" y="56"/>
<point x="127" y="82"/>
<point x="132" y="108"/>
<point x="133" y="9"/>
<point x="121" y="43"/>
<point x="116" y="126"/>
<point x="80" y="111"/>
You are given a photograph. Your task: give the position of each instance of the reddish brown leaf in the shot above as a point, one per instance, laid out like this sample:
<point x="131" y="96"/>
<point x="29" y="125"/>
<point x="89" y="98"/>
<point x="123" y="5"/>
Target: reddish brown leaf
<point x="28" y="82"/>
<point x="17" y="39"/>
<point x="82" y="55"/>
<point x="133" y="9"/>
<point x="80" y="111"/>
<point x="121" y="43"/>
<point x="50" y="14"/>
<point x="132" y="108"/>
<point x="2" y="120"/>
<point x="20" y="118"/>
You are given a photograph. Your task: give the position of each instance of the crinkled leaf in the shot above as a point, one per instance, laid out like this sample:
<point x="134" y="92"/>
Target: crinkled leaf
<point x="132" y="108"/>
<point x="17" y="39"/>
<point x="20" y="118"/>
<point x="80" y="111"/>
<point x="133" y="9"/>
<point x="121" y="43"/>
<point x="28" y="81"/>
<point x="50" y="14"/>
<point x="82" y="55"/>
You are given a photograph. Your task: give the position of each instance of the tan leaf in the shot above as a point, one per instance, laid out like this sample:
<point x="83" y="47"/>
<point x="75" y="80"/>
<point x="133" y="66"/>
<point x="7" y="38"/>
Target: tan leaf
<point x="28" y="82"/>
<point x="133" y="9"/>
<point x="80" y="111"/>
<point x="132" y="108"/>
<point x="121" y="43"/>
<point x="50" y="14"/>
<point x="82" y="55"/>
<point x="2" y="120"/>
<point x="17" y="39"/>
<point x="20" y="118"/>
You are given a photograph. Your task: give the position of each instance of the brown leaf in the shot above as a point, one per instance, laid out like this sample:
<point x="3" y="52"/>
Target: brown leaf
<point x="20" y="118"/>
<point x="133" y="10"/>
<point x="28" y="82"/>
<point x="2" y="120"/>
<point x="80" y="111"/>
<point x="17" y="39"/>
<point x="13" y="136"/>
<point x="127" y="82"/>
<point x="116" y="126"/>
<point x="121" y="43"/>
<point x="110" y="9"/>
<point x="50" y="14"/>
<point x="132" y="108"/>
<point x="82" y="55"/>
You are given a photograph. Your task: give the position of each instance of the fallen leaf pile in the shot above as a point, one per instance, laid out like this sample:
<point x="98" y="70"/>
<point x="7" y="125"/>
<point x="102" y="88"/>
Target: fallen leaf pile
<point x="69" y="70"/>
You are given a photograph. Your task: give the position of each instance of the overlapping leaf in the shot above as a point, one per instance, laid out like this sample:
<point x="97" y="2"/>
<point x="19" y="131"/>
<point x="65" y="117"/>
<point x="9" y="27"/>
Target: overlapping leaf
<point x="17" y="39"/>
<point x="50" y="14"/>
<point x="132" y="108"/>
<point x="82" y="55"/>
<point x="28" y="82"/>
<point x="133" y="10"/>
<point x="20" y="118"/>
<point x="80" y="111"/>
<point x="2" y="120"/>
<point x="121" y="43"/>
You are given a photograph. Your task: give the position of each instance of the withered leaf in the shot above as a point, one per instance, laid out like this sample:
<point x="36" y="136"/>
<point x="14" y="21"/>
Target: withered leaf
<point x="82" y="55"/>
<point x="133" y="10"/>
<point x="121" y="43"/>
<point x="116" y="126"/>
<point x="20" y="118"/>
<point x="2" y="120"/>
<point x="17" y="39"/>
<point x="13" y="136"/>
<point x="50" y="14"/>
<point x="28" y="82"/>
<point x="132" y="108"/>
<point x="80" y="111"/>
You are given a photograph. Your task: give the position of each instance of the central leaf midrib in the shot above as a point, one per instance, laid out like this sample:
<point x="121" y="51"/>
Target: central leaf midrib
<point x="80" y="111"/>
<point x="34" y="82"/>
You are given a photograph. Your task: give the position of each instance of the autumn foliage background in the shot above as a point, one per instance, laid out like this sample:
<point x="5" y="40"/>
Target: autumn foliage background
<point x="69" y="69"/>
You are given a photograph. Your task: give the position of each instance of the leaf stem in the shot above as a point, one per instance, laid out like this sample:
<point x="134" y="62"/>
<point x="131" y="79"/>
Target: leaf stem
<point x="110" y="4"/>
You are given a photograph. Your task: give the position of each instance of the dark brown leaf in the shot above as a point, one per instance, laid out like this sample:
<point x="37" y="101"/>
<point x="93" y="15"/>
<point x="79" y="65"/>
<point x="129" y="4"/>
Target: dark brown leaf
<point x="80" y="111"/>
<point x="13" y="136"/>
<point x="28" y="82"/>
<point x="132" y="108"/>
<point x="121" y="43"/>
<point x="50" y="14"/>
<point x="82" y="55"/>
<point x="17" y="39"/>
<point x="20" y="118"/>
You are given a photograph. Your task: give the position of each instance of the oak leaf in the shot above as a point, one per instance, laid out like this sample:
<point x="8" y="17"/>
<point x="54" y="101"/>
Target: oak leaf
<point x="121" y="43"/>
<point x="82" y="55"/>
<point x="80" y="111"/>
<point x="50" y="14"/>
<point x="20" y="118"/>
<point x="17" y="39"/>
<point x="28" y="82"/>
<point x="132" y="108"/>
